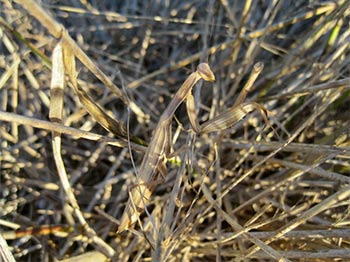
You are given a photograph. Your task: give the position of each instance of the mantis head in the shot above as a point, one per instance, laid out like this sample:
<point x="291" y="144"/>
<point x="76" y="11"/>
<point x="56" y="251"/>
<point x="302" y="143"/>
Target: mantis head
<point x="205" y="72"/>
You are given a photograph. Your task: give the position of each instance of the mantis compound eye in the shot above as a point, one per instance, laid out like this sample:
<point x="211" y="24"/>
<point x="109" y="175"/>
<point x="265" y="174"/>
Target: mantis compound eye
<point x="205" y="72"/>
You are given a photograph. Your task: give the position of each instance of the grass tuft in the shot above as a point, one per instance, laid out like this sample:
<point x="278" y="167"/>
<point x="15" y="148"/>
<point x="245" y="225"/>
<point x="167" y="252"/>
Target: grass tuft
<point x="82" y="88"/>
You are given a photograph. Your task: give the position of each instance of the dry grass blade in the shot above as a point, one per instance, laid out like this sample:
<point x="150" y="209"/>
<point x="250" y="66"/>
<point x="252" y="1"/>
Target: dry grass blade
<point x="329" y="202"/>
<point x="5" y="252"/>
<point x="59" y="128"/>
<point x="57" y="85"/>
<point x="88" y="256"/>
<point x="58" y="31"/>
<point x="94" y="109"/>
<point x="268" y="250"/>
<point x="56" y="113"/>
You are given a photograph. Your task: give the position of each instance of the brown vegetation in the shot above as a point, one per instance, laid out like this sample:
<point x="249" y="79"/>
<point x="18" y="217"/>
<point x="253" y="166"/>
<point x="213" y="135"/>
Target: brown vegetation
<point x="82" y="89"/>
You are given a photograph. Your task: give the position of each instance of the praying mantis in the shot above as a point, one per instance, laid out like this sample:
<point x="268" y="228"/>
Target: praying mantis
<point x="153" y="166"/>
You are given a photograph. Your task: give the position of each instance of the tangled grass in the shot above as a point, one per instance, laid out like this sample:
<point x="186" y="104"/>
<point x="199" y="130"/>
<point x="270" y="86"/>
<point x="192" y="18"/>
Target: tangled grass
<point x="254" y="192"/>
